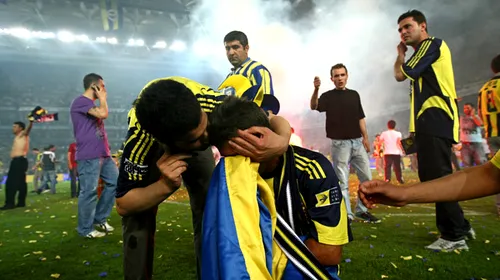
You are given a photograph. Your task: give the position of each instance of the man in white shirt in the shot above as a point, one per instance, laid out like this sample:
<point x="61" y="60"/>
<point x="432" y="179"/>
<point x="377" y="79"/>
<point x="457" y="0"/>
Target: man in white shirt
<point x="392" y="151"/>
<point x="470" y="136"/>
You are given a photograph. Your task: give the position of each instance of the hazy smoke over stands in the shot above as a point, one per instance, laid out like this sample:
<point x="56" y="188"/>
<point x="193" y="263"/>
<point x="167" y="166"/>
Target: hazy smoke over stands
<point x="299" y="41"/>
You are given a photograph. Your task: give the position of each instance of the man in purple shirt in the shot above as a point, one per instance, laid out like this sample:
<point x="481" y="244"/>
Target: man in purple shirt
<point x="93" y="158"/>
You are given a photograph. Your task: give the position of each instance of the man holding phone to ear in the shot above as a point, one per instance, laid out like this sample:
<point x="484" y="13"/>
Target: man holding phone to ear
<point x="93" y="158"/>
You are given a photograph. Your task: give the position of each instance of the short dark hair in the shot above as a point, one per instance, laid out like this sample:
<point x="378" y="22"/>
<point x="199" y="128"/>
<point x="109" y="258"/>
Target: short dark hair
<point x="168" y="110"/>
<point x="90" y="79"/>
<point x="20" y="124"/>
<point x="338" y="66"/>
<point x="233" y="114"/>
<point x="495" y="64"/>
<point x="391" y="124"/>
<point x="236" y="36"/>
<point x="417" y="16"/>
<point x="51" y="146"/>
<point x="35" y="149"/>
<point x="470" y="104"/>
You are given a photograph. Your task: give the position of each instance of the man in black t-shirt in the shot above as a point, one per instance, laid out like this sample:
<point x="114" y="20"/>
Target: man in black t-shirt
<point x="346" y="126"/>
<point x="49" y="175"/>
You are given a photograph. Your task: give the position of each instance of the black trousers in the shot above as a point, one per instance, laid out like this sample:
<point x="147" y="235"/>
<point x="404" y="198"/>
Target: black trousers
<point x="434" y="161"/>
<point x="454" y="161"/>
<point x="75" y="186"/>
<point x="395" y="161"/>
<point x="139" y="229"/>
<point x="16" y="182"/>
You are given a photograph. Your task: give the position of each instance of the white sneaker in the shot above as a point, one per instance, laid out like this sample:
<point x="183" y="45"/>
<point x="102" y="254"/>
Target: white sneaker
<point x="471" y="234"/>
<point x="448" y="246"/>
<point x="105" y="226"/>
<point x="95" y="234"/>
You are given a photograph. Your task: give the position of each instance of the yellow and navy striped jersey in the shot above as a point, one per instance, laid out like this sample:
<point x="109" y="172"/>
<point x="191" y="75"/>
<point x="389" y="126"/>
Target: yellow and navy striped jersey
<point x="257" y="74"/>
<point x="434" y="108"/>
<point x="496" y="160"/>
<point x="39" y="159"/>
<point x="141" y="151"/>
<point x="323" y="214"/>
<point x="488" y="104"/>
<point x="324" y="209"/>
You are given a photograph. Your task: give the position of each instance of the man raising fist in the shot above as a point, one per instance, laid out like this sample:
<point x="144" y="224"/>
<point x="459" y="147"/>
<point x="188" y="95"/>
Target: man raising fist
<point x="346" y="127"/>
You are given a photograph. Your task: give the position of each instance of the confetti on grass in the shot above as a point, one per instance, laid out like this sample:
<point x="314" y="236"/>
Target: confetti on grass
<point x="395" y="266"/>
<point x="103" y="274"/>
<point x="347" y="260"/>
<point x="406" y="258"/>
<point x="37" y="253"/>
<point x="430" y="269"/>
<point x="32" y="241"/>
<point x="55" y="275"/>
<point x="385" y="276"/>
<point x="486" y="241"/>
<point x="28" y="226"/>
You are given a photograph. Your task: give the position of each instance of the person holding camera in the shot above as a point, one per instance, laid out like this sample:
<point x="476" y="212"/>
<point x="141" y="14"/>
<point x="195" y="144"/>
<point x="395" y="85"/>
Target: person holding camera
<point x="93" y="158"/>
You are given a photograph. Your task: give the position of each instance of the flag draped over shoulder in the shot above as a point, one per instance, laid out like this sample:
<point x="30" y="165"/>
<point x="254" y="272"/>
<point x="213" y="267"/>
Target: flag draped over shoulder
<point x="111" y="14"/>
<point x="238" y="223"/>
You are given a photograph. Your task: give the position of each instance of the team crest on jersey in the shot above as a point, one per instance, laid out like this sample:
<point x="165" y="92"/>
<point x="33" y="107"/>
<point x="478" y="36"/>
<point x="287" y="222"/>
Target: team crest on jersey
<point x="135" y="169"/>
<point x="328" y="197"/>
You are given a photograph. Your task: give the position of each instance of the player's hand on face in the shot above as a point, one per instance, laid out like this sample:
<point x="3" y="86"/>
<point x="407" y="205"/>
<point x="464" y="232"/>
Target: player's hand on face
<point x="402" y="48"/>
<point x="380" y="192"/>
<point x="100" y="92"/>
<point x="172" y="167"/>
<point x="259" y="143"/>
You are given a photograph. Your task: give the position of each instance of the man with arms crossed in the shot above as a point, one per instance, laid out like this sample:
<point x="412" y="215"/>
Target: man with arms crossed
<point x="167" y="143"/>
<point x="346" y="127"/>
<point x="16" y="178"/>
<point x="93" y="158"/>
<point x="434" y="117"/>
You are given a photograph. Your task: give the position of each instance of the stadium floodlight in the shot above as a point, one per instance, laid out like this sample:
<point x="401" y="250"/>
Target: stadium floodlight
<point x="178" y="45"/>
<point x="20" y="33"/>
<point x="43" y="35"/>
<point x="139" y="42"/>
<point x="65" y="36"/>
<point x="135" y="42"/>
<point x="101" y="39"/>
<point x="112" y="41"/>
<point x="82" y="38"/>
<point x="160" y="45"/>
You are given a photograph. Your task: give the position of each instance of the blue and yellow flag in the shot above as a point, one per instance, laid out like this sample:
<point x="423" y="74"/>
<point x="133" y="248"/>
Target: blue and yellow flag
<point x="238" y="223"/>
<point x="111" y="14"/>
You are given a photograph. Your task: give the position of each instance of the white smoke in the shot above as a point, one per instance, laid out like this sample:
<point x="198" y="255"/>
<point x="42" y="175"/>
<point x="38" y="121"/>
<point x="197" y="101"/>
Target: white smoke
<point x="294" y="52"/>
<point x="362" y="34"/>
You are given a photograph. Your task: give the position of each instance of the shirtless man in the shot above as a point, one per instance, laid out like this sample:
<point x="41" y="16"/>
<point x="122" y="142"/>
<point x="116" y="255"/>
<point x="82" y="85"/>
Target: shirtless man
<point x="16" y="178"/>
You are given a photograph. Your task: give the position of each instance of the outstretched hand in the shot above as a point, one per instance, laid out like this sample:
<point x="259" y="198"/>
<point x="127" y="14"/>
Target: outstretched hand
<point x="380" y="192"/>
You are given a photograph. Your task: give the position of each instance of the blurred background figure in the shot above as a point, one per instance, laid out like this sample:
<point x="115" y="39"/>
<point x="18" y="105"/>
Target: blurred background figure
<point x="471" y="138"/>
<point x="378" y="155"/>
<point x="391" y="140"/>
<point x="295" y="139"/>
<point x="73" y="170"/>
